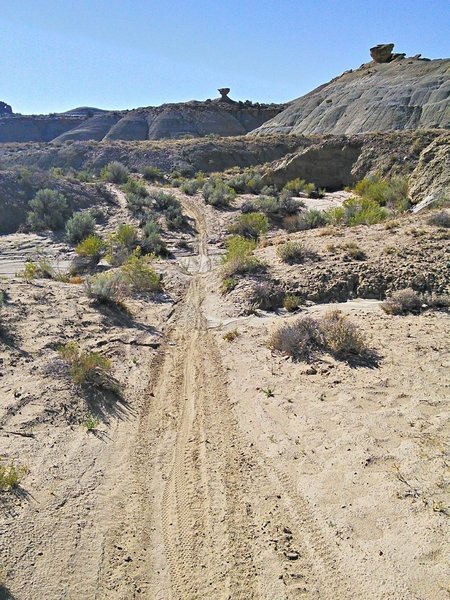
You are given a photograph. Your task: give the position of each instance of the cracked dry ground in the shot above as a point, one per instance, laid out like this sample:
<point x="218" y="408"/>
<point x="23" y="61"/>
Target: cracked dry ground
<point x="179" y="502"/>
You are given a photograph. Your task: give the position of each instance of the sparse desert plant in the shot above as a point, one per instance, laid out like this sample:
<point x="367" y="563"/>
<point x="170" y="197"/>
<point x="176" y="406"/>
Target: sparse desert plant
<point x="307" y="219"/>
<point x="231" y="335"/>
<point x="440" y="219"/>
<point x="402" y="302"/>
<point x="136" y="187"/>
<point x="292" y="252"/>
<point x="139" y="273"/>
<point x="115" y="172"/>
<point x="191" y="186"/>
<point x="300" y="339"/>
<point x="217" y="193"/>
<point x="352" y="250"/>
<point x="91" y="247"/>
<point x="295" y="186"/>
<point x="247" y="182"/>
<point x="86" y="367"/>
<point x="266" y="296"/>
<point x="250" y="225"/>
<point x="91" y="422"/>
<point x="49" y="210"/>
<point x="228" y="284"/>
<point x="239" y="259"/>
<point x="341" y="336"/>
<point x="269" y="392"/>
<point x="152" y="242"/>
<point x="40" y="268"/>
<point x="107" y="288"/>
<point x="151" y="173"/>
<point x="80" y="226"/>
<point x="11" y="474"/>
<point x="121" y="243"/>
<point x="291" y="302"/>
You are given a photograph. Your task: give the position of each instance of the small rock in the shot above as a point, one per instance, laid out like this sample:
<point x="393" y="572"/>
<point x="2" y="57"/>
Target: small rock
<point x="292" y="555"/>
<point x="287" y="530"/>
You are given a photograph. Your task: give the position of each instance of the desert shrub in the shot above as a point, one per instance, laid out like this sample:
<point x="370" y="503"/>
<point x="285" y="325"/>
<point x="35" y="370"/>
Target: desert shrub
<point x="135" y="187"/>
<point x="292" y="252"/>
<point x="139" y="273"/>
<point x="336" y="215"/>
<point x="85" y="367"/>
<point x="217" y="193"/>
<point x="364" y="212"/>
<point x="299" y="339"/>
<point x="84" y="175"/>
<point x="191" y="186"/>
<point x="239" y="259"/>
<point x="248" y="207"/>
<point x="231" y="335"/>
<point x="291" y="302"/>
<point x="152" y="242"/>
<point x="402" y="302"/>
<point x="266" y="296"/>
<point x="106" y="288"/>
<point x="40" y="268"/>
<point x="121" y="243"/>
<point x="276" y="207"/>
<point x="162" y="200"/>
<point x="295" y="186"/>
<point x="115" y="172"/>
<point x="384" y="192"/>
<point x="248" y="182"/>
<point x="151" y="173"/>
<point x="175" y="219"/>
<point x="11" y="475"/>
<point x="49" y="210"/>
<point x="440" y="219"/>
<point x="341" y="336"/>
<point x="80" y="226"/>
<point x="307" y="219"/>
<point x="91" y="247"/>
<point x="250" y="225"/>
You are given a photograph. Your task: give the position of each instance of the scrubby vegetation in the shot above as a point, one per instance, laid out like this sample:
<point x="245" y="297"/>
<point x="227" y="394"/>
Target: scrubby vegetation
<point x="37" y="269"/>
<point x="217" y="193"/>
<point x="250" y="225"/>
<point x="115" y="172"/>
<point x="80" y="226"/>
<point x="402" y="302"/>
<point x="91" y="247"/>
<point x="291" y="302"/>
<point x="151" y="173"/>
<point x="107" y="288"/>
<point x="247" y="182"/>
<point x="86" y="367"/>
<point x="304" y="338"/>
<point x="49" y="210"/>
<point x="139" y="273"/>
<point x="292" y="252"/>
<point x="440" y="219"/>
<point x="152" y="242"/>
<point x="11" y="474"/>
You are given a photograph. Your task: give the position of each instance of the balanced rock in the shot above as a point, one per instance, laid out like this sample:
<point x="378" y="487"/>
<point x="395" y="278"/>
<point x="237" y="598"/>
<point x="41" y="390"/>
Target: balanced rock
<point x="382" y="53"/>
<point x="224" y="92"/>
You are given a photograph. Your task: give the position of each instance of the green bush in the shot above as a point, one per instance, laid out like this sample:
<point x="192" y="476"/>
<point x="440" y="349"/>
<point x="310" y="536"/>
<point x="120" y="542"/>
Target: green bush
<point x="239" y="259"/>
<point x="91" y="247"/>
<point x="250" y="225"/>
<point x="151" y="240"/>
<point x="106" y="288"/>
<point x="217" y="193"/>
<point x="248" y="182"/>
<point x="295" y="186"/>
<point x="392" y="193"/>
<point x="49" y="210"/>
<point x="307" y="219"/>
<point x="115" y="172"/>
<point x="41" y="268"/>
<point x="191" y="186"/>
<point x="291" y="302"/>
<point x="135" y="187"/>
<point x="139" y="273"/>
<point x="151" y="173"/>
<point x="80" y="226"/>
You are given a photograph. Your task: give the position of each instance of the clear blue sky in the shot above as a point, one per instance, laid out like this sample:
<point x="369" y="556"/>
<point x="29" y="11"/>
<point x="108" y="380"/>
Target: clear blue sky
<point x="59" y="54"/>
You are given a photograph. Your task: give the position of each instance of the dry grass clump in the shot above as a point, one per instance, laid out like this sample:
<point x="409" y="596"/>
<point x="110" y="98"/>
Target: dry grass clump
<point x="292" y="252"/>
<point x="334" y="333"/>
<point x="231" y="335"/>
<point x="291" y="302"/>
<point x="299" y="339"/>
<point x="402" y="302"/>
<point x="342" y="337"/>
<point x="107" y="288"/>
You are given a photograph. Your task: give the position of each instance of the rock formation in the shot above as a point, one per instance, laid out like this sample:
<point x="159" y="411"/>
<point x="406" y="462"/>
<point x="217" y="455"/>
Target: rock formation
<point x="382" y="53"/>
<point x="403" y="94"/>
<point x="222" y="117"/>
<point x="5" y="109"/>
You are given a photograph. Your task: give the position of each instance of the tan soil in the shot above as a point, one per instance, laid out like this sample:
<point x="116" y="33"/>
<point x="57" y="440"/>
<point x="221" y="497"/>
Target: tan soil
<point x="200" y="485"/>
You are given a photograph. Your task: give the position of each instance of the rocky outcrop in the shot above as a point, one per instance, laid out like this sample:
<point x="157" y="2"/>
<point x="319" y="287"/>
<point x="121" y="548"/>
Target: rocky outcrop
<point x="403" y="94"/>
<point x="382" y="53"/>
<point x="5" y="109"/>
<point x="222" y="117"/>
<point x="431" y="177"/>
